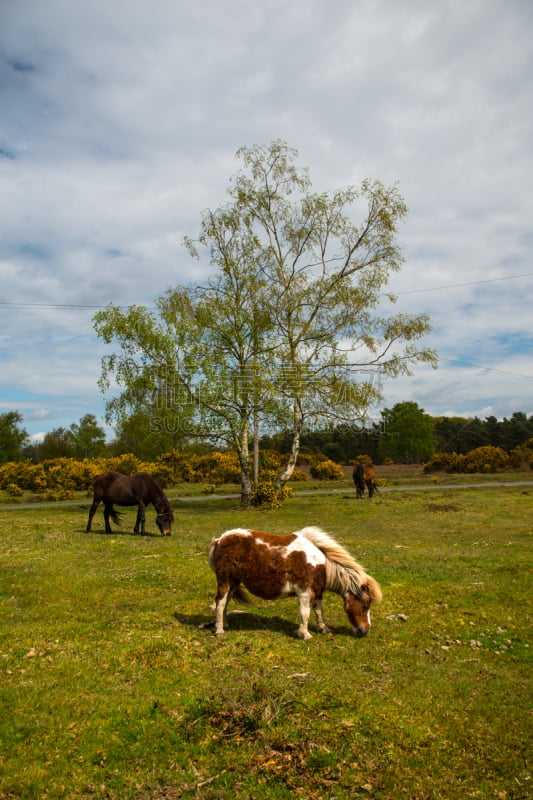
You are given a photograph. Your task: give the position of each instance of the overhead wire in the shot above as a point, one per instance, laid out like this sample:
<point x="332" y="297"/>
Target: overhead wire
<point x="15" y="304"/>
<point x="469" y="283"/>
<point x="80" y="306"/>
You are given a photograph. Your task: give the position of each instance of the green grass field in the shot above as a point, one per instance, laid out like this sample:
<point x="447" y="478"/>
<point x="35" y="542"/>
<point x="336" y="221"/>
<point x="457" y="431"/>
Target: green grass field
<point x="110" y="689"/>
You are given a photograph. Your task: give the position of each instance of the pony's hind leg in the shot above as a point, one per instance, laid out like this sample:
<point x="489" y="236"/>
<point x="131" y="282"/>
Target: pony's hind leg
<point x="322" y="627"/>
<point x="221" y="605"/>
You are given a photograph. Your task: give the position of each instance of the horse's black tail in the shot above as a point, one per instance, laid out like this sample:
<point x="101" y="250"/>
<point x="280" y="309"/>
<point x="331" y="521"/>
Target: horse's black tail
<point x="116" y="516"/>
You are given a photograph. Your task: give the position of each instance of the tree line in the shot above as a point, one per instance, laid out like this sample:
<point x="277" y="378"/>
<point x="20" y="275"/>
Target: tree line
<point x="403" y="434"/>
<point x="83" y="439"/>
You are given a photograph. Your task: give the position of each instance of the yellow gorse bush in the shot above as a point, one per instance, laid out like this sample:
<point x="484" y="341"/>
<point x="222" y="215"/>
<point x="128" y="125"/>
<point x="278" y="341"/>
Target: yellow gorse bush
<point x="68" y="474"/>
<point x="482" y="459"/>
<point x="327" y="471"/>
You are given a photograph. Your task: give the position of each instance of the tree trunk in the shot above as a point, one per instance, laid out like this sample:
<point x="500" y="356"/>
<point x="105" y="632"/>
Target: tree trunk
<point x="244" y="461"/>
<point x="246" y="487"/>
<point x="285" y="475"/>
<point x="256" y="450"/>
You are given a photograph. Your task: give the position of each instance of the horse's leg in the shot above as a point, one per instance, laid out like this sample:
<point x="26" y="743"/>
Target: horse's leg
<point x="304" y="607"/>
<point x="322" y="627"/>
<point x="370" y="487"/>
<point x="92" y="510"/>
<point x="221" y="603"/>
<point x="141" y="518"/>
<point x="137" y="520"/>
<point x="108" y="509"/>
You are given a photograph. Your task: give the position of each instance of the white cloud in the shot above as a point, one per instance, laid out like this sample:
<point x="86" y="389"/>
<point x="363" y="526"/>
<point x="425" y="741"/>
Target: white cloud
<point x="120" y="125"/>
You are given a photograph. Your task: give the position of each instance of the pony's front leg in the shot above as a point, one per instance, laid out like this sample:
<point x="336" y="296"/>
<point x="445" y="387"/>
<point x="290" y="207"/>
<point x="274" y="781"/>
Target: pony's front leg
<point x="322" y="627"/>
<point x="304" y="607"/>
<point x="141" y="519"/>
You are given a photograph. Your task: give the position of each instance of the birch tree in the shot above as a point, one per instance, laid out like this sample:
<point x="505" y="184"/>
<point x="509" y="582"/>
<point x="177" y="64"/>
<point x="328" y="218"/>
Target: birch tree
<point x="289" y="330"/>
<point x="326" y="258"/>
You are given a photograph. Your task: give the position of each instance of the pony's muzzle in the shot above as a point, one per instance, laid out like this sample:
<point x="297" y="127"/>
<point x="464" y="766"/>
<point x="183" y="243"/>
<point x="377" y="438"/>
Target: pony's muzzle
<point x="361" y="632"/>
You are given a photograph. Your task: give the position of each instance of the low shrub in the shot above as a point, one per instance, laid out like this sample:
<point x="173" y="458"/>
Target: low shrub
<point x="299" y="475"/>
<point x="327" y="471"/>
<point x="266" y="495"/>
<point x="482" y="459"/>
<point x="522" y="455"/>
<point x="56" y="495"/>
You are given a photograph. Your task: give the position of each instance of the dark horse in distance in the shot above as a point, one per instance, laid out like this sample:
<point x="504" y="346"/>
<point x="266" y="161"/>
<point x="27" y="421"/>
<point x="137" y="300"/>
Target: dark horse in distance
<point x="126" y="490"/>
<point x="364" y="475"/>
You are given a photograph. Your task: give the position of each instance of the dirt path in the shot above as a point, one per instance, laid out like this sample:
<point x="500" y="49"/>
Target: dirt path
<point x="302" y="492"/>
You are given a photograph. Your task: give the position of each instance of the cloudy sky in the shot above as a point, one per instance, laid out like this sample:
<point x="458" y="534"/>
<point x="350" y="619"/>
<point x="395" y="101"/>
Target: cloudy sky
<point x="119" y="123"/>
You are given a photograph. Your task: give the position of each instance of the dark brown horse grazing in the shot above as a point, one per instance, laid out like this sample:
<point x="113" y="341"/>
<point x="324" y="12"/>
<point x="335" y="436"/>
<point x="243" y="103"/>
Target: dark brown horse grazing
<point x="304" y="564"/>
<point x="364" y="475"/>
<point x="126" y="490"/>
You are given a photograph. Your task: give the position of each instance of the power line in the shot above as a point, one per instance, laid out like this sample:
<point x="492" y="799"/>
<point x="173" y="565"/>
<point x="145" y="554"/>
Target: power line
<point x="410" y="291"/>
<point x="470" y="283"/>
<point x="487" y="369"/>
<point x="51" y="305"/>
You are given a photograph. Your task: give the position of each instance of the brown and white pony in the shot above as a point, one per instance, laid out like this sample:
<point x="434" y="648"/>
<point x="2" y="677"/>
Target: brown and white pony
<point x="303" y="564"/>
<point x="364" y="475"/>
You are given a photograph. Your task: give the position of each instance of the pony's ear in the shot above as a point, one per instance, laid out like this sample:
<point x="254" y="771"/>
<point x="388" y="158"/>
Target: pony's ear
<point x="374" y="590"/>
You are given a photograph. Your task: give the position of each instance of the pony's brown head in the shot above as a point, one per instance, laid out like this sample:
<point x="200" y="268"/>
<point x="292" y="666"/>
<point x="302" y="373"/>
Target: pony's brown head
<point x="357" y="605"/>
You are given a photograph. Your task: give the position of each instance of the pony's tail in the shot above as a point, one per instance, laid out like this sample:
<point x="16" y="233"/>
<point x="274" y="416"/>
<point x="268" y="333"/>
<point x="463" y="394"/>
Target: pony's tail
<point x="116" y="516"/>
<point x="211" y="554"/>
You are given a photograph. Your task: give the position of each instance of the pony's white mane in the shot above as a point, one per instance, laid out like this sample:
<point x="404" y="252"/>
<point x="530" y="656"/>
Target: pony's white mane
<point x="343" y="572"/>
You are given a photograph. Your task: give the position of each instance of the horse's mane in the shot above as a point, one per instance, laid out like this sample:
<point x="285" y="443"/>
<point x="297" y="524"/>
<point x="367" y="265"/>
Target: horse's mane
<point x="343" y="572"/>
